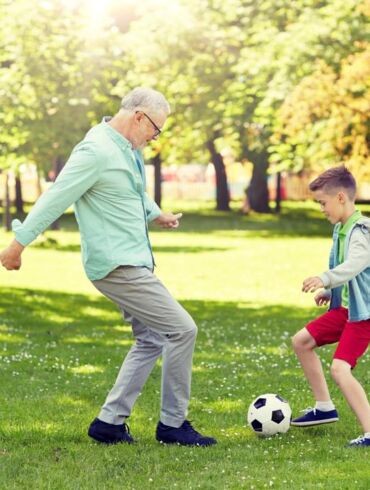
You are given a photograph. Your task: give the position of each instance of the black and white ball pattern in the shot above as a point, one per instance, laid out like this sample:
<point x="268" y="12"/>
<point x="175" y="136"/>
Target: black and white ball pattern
<point x="269" y="414"/>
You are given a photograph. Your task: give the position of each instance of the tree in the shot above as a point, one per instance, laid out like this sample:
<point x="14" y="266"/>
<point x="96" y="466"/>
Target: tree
<point x="175" y="42"/>
<point x="227" y="67"/>
<point x="234" y="73"/>
<point x="298" y="34"/>
<point x="321" y="119"/>
<point x="48" y="69"/>
<point x="326" y="118"/>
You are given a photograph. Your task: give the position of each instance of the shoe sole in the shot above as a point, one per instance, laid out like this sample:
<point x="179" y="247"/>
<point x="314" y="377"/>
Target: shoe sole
<point x="310" y="424"/>
<point x="104" y="441"/>
<point x="184" y="444"/>
<point x="351" y="446"/>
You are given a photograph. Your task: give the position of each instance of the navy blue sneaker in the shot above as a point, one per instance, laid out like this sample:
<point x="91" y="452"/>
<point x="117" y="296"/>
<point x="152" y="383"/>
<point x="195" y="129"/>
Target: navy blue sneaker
<point x="109" y="433"/>
<point x="185" y="435"/>
<point x="361" y="441"/>
<point x="313" y="416"/>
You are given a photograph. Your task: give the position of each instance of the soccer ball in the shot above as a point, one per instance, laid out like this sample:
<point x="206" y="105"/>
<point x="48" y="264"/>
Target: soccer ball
<point x="269" y="414"/>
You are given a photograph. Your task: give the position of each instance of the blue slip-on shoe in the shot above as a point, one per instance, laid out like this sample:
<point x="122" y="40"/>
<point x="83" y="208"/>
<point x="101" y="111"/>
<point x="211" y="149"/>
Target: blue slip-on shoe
<point x="185" y="435"/>
<point x="361" y="441"/>
<point x="313" y="416"/>
<point x="109" y="433"/>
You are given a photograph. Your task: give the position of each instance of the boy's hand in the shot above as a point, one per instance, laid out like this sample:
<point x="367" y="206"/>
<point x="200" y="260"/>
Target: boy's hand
<point x="168" y="220"/>
<point x="322" y="298"/>
<point x="311" y="284"/>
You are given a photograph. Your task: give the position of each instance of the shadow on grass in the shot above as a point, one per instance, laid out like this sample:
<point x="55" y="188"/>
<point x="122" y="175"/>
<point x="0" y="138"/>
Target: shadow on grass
<point x="61" y="354"/>
<point x="52" y="244"/>
<point x="254" y="340"/>
<point x="41" y="312"/>
<point x="295" y="220"/>
<point x="290" y="222"/>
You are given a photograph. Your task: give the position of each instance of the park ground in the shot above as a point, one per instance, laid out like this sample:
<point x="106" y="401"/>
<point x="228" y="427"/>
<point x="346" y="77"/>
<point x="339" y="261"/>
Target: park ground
<point x="240" y="278"/>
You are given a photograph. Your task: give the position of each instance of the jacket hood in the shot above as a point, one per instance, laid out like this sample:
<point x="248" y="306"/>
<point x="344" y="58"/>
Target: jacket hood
<point x="364" y="221"/>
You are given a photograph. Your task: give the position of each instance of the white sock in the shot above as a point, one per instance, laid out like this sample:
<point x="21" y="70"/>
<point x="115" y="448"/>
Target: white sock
<point x="325" y="406"/>
<point x="367" y="435"/>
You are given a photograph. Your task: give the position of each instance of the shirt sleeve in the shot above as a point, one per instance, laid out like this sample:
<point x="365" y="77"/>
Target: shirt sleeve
<point x="358" y="259"/>
<point x="78" y="175"/>
<point x="151" y="208"/>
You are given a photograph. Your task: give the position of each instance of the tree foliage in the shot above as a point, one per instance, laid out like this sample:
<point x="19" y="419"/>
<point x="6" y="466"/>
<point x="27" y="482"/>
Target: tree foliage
<point x="283" y="83"/>
<point x="325" y="120"/>
<point x="48" y="69"/>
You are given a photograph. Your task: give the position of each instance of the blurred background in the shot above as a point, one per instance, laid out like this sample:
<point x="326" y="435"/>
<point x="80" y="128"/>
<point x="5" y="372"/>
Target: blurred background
<point x="265" y="93"/>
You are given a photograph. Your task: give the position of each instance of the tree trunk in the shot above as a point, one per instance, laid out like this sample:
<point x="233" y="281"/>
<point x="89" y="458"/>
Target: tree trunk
<point x="38" y="184"/>
<point x="257" y="191"/>
<point x="157" y="163"/>
<point x="7" y="214"/>
<point x="222" y="191"/>
<point x="278" y="193"/>
<point x="18" y="194"/>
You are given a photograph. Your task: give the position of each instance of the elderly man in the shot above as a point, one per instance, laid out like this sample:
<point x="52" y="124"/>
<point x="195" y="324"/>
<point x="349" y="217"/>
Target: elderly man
<point x="105" y="179"/>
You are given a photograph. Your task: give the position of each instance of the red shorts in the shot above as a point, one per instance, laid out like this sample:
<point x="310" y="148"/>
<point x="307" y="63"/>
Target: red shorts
<point x="353" y="337"/>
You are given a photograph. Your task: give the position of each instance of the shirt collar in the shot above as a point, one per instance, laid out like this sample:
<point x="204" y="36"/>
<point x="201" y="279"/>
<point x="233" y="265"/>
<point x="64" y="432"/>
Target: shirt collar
<point x="344" y="228"/>
<point x="121" y="141"/>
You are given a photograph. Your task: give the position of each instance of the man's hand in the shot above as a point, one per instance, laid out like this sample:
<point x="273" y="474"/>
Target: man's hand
<point x="10" y="258"/>
<point x="311" y="284"/>
<point x="322" y="298"/>
<point x="168" y="220"/>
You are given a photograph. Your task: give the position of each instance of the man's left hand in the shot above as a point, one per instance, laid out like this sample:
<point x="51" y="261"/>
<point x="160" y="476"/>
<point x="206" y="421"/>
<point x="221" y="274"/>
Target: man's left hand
<point x="311" y="284"/>
<point x="168" y="220"/>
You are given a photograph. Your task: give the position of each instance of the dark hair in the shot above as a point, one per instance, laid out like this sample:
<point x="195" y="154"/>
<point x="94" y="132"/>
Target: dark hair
<point x="335" y="178"/>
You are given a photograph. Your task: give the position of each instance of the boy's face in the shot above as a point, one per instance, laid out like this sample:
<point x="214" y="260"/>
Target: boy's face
<point x="332" y="204"/>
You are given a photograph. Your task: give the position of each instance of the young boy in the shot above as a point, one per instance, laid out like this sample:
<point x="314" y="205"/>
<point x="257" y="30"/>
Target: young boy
<point x="346" y="285"/>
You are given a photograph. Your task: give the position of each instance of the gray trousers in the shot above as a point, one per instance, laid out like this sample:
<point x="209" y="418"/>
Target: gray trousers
<point x="160" y="325"/>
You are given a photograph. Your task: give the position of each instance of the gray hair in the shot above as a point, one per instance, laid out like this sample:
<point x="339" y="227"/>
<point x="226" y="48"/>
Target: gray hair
<point x="145" y="98"/>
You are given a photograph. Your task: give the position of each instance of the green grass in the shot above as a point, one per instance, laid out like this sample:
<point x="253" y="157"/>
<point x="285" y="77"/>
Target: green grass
<point x="61" y="345"/>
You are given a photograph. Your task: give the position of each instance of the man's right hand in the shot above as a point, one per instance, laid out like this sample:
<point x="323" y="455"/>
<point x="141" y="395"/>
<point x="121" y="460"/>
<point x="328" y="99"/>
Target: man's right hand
<point x="10" y="258"/>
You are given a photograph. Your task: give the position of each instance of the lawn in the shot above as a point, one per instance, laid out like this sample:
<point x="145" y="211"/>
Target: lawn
<point x="239" y="276"/>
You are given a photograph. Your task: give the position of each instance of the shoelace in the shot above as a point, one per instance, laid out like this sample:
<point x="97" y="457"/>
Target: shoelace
<point x="359" y="440"/>
<point x="189" y="428"/>
<point x="308" y="410"/>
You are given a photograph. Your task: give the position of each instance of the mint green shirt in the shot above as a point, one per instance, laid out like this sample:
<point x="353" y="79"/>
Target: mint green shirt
<point x="105" y="180"/>
<point x="342" y="233"/>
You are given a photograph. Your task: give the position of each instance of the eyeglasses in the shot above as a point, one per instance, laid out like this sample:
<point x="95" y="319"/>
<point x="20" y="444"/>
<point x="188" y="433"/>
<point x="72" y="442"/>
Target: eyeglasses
<point x="157" y="131"/>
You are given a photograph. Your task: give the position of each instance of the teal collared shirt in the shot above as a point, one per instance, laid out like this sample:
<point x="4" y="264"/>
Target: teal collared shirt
<point x="105" y="180"/>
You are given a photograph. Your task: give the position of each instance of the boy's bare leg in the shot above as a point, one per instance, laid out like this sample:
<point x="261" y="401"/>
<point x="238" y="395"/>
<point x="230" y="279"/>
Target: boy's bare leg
<point x="352" y="391"/>
<point x="304" y="345"/>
